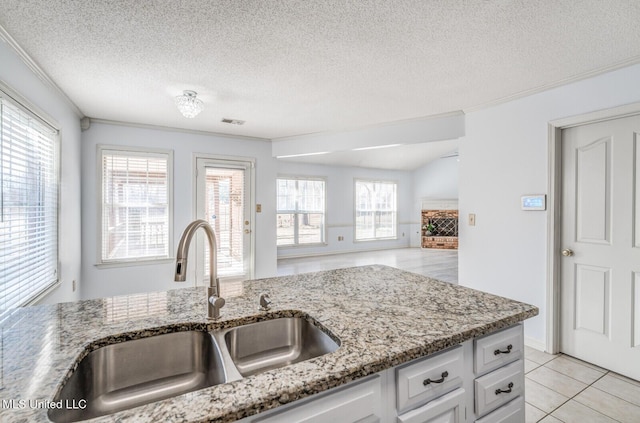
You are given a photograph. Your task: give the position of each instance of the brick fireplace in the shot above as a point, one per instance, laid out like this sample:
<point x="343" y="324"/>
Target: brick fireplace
<point x="440" y="229"/>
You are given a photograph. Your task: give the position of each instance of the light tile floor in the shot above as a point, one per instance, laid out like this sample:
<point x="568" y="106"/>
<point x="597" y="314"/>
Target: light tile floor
<point x="558" y="388"/>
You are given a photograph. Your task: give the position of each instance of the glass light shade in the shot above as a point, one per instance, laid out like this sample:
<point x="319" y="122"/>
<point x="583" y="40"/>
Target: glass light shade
<point x="188" y="104"/>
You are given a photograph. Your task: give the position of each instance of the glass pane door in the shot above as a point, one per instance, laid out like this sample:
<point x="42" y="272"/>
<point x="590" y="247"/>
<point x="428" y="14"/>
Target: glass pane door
<point x="223" y="200"/>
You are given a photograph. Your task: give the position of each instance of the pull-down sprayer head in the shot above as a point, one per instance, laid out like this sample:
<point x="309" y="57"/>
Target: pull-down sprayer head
<point x="214" y="300"/>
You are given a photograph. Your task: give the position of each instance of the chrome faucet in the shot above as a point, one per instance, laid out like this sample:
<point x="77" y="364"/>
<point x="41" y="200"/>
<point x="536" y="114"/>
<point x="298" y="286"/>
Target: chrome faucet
<point x="265" y="302"/>
<point x="214" y="301"/>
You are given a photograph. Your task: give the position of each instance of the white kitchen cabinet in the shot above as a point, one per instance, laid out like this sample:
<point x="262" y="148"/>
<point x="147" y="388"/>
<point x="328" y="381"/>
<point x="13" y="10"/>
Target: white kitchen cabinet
<point x="498" y="349"/>
<point x="423" y="380"/>
<point x="499" y="370"/>
<point x="513" y="412"/>
<point x="449" y="408"/>
<point x="464" y="384"/>
<point x="499" y="387"/>
<point x="360" y="402"/>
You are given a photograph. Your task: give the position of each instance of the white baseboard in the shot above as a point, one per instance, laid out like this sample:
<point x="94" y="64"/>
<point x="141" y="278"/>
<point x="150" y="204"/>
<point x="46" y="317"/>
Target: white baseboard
<point x="535" y="344"/>
<point x="335" y="252"/>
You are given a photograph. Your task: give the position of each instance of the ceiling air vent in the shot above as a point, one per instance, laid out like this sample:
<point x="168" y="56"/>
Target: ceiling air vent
<point x="233" y="121"/>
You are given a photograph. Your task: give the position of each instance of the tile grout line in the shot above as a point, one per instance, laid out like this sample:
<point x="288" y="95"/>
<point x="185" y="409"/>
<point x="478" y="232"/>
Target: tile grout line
<point x="569" y="398"/>
<point x="585" y="388"/>
<point x="537" y="367"/>
<point x="614" y="395"/>
<point x="606" y="372"/>
<point x="606" y="392"/>
<point x="578" y="393"/>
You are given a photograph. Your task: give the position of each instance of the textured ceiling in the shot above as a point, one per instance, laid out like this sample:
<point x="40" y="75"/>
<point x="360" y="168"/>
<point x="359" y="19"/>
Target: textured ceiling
<point x="296" y="67"/>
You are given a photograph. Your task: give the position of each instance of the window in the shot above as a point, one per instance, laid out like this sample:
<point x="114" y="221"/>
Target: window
<point x="301" y="211"/>
<point x="135" y="209"/>
<point x="28" y="205"/>
<point x="375" y="209"/>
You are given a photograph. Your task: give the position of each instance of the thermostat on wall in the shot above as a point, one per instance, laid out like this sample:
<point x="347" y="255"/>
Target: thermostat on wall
<point x="533" y="202"/>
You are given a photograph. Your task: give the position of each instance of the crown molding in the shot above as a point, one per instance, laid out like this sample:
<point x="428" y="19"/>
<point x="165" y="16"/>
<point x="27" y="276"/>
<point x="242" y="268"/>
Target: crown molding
<point x="37" y="70"/>
<point x="566" y="81"/>
<point x="173" y="129"/>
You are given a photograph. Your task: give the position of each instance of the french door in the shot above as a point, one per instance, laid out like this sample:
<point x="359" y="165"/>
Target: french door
<point x="223" y="198"/>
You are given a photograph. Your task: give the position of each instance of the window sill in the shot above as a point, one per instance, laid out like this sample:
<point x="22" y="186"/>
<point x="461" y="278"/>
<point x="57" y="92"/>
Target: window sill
<point x="128" y="263"/>
<point x="318" y="244"/>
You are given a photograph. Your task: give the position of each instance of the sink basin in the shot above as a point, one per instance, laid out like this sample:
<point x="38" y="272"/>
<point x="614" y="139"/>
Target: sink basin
<point x="121" y="376"/>
<point x="271" y="344"/>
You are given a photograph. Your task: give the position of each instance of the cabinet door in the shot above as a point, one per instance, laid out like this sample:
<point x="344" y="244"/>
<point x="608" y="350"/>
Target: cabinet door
<point x="360" y="402"/>
<point x="498" y="349"/>
<point x="499" y="387"/>
<point x="513" y="412"/>
<point x="446" y="409"/>
<point x="423" y="380"/>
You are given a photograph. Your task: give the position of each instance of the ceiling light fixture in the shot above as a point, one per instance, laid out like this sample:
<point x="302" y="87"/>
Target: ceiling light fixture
<point x="188" y="104"/>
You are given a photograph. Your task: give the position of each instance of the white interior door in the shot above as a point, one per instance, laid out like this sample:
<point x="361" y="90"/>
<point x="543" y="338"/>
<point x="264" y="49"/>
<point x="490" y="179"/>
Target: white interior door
<point x="223" y="198"/>
<point x="600" y="286"/>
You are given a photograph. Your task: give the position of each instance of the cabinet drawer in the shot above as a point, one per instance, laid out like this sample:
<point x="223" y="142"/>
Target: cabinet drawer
<point x="447" y="409"/>
<point x="360" y="402"/>
<point x="420" y="382"/>
<point x="513" y="412"/>
<point x="499" y="387"/>
<point x="498" y="349"/>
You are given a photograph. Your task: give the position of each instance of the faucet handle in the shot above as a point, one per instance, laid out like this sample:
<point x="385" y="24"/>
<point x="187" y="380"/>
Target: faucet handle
<point x="265" y="302"/>
<point x="215" y="303"/>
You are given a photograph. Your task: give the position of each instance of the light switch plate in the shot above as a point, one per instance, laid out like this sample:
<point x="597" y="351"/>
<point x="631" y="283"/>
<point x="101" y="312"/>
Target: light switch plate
<point x="472" y="219"/>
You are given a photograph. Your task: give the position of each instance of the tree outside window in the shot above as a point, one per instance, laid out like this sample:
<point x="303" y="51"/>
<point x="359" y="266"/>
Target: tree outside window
<point x="375" y="210"/>
<point x="301" y="211"/>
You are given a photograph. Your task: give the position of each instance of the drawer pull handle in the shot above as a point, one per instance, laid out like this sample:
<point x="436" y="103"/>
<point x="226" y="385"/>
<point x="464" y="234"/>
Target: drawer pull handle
<point x="507" y="351"/>
<point x="507" y="391"/>
<point x="442" y="378"/>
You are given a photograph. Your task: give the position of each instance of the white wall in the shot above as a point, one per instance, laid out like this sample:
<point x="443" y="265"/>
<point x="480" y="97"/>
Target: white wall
<point x="503" y="156"/>
<point x="101" y="281"/>
<point x="340" y="207"/>
<point x="15" y="74"/>
<point x="436" y="180"/>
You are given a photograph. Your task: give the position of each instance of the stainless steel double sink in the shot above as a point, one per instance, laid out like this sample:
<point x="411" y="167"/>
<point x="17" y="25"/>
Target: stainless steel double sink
<point x="128" y="374"/>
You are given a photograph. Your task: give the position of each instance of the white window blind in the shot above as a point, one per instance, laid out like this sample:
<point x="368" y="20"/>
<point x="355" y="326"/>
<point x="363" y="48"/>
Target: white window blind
<point x="135" y="205"/>
<point x="28" y="206"/>
<point x="301" y="211"/>
<point x="376" y="210"/>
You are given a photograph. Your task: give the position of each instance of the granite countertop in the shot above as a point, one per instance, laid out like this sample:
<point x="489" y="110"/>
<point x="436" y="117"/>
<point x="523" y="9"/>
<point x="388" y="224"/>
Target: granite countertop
<point x="382" y="315"/>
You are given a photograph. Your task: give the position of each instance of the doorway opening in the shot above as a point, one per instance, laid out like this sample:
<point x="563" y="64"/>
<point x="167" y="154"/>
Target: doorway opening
<point x="224" y="198"/>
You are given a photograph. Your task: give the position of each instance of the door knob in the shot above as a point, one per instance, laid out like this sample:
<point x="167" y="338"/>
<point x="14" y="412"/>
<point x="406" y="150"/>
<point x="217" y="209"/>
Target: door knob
<point x="567" y="252"/>
<point x="247" y="231"/>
